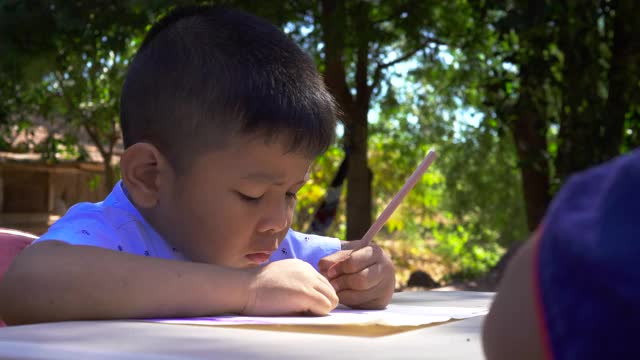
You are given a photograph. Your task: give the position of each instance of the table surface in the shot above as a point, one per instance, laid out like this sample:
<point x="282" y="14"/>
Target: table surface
<point x="140" y="340"/>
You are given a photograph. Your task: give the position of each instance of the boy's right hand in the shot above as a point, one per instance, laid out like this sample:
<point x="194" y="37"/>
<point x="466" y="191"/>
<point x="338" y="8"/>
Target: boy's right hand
<point x="288" y="287"/>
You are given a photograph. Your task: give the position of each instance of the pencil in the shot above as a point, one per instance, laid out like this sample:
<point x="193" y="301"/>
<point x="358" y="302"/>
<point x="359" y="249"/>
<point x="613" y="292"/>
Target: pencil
<point x="397" y="199"/>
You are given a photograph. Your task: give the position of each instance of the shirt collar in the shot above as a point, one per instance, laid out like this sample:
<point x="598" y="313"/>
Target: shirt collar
<point x="119" y="198"/>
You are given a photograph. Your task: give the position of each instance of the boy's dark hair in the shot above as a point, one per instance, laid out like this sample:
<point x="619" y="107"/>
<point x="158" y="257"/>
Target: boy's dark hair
<point x="204" y="74"/>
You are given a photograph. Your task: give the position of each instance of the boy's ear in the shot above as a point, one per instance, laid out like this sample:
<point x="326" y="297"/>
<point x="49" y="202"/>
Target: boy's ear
<point x="144" y="171"/>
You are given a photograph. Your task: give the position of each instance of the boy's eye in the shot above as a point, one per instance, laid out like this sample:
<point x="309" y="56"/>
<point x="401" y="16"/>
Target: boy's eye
<point x="290" y="195"/>
<point x="248" y="198"/>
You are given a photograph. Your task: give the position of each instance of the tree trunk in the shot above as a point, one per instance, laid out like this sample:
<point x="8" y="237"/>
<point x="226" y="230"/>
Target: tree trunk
<point x="580" y="142"/>
<point x="623" y="74"/>
<point x="358" y="179"/>
<point x="359" y="206"/>
<point x="109" y="175"/>
<point x="529" y="124"/>
<point x="326" y="213"/>
<point x="529" y="132"/>
<point x="529" y="129"/>
<point x="106" y="152"/>
<point x="355" y="111"/>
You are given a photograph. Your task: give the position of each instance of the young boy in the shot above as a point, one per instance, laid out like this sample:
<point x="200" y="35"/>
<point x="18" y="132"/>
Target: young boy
<point x="221" y="116"/>
<point x="573" y="291"/>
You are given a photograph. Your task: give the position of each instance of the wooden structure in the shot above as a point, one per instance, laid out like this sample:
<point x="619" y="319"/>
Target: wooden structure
<point x="34" y="193"/>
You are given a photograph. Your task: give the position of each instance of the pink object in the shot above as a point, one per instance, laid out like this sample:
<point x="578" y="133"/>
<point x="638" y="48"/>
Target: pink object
<point x="388" y="211"/>
<point x="11" y="243"/>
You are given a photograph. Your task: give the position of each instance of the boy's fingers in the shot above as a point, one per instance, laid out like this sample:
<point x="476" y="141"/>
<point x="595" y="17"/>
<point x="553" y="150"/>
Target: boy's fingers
<point x="362" y="280"/>
<point x="329" y="261"/>
<point x="317" y="305"/>
<point x="358" y="261"/>
<point x="355" y="298"/>
<point x="326" y="288"/>
<point x="354" y="245"/>
<point x="323" y="280"/>
<point x="326" y="298"/>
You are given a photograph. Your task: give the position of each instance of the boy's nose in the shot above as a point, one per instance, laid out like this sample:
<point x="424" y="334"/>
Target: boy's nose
<point x="275" y="219"/>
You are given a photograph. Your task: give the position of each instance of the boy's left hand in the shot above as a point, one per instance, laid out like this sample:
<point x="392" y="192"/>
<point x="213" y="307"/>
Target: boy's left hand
<point x="366" y="279"/>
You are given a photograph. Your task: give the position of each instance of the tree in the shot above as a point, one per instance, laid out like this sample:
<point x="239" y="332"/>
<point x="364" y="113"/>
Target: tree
<point x="358" y="39"/>
<point x="528" y="119"/>
<point x="354" y="42"/>
<point x="623" y="93"/>
<point x="575" y="86"/>
<point x="67" y="62"/>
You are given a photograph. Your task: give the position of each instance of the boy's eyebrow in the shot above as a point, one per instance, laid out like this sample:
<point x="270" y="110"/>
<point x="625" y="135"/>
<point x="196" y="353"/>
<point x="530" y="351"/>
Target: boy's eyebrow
<point x="271" y="179"/>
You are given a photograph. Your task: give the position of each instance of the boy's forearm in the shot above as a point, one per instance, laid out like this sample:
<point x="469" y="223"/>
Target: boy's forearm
<point x="54" y="281"/>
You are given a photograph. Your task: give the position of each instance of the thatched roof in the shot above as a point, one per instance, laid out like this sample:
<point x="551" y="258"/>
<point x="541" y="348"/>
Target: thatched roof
<point x="25" y="142"/>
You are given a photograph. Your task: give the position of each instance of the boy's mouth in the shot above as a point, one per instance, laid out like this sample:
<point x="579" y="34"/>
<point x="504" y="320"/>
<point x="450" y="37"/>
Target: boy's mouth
<point x="258" y="257"/>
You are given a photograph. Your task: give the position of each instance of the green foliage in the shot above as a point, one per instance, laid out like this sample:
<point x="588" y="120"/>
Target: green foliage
<point x="465" y="258"/>
<point x="467" y="73"/>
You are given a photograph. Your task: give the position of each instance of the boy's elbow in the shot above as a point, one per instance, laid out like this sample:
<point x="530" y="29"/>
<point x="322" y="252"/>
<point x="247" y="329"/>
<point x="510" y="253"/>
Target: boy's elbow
<point x="11" y="318"/>
<point x="20" y="285"/>
<point x="19" y="306"/>
<point x="11" y="305"/>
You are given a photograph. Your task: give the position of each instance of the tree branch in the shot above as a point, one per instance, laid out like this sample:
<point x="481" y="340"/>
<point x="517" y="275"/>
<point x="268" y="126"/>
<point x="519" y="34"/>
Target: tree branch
<point x="377" y="74"/>
<point x="408" y="55"/>
<point x="395" y="14"/>
<point x="96" y="140"/>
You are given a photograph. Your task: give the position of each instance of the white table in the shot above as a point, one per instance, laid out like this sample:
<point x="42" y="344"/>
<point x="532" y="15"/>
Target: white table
<point x="140" y="340"/>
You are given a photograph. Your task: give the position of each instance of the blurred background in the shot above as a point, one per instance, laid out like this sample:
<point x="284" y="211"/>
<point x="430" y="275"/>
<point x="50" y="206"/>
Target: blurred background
<point x="515" y="95"/>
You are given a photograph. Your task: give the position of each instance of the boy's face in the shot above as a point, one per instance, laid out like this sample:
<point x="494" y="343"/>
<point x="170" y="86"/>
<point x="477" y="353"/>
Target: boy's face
<point x="235" y="205"/>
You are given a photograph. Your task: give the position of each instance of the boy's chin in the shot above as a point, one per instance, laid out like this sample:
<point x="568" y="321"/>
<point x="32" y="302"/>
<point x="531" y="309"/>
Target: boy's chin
<point x="251" y="266"/>
<point x="242" y="265"/>
<point x="245" y="262"/>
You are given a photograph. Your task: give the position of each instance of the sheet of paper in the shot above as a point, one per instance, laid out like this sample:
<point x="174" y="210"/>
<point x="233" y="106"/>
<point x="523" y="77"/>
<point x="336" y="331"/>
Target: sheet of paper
<point x="393" y="315"/>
